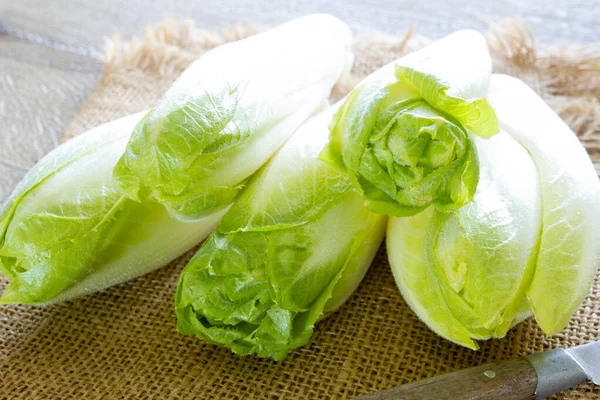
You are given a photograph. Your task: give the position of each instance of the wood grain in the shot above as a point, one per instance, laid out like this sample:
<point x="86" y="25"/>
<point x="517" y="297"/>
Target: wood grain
<point x="41" y="91"/>
<point x="83" y="23"/>
<point x="509" y="380"/>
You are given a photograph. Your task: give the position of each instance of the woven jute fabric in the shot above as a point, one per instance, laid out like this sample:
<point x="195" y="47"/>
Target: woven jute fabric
<point x="122" y="343"/>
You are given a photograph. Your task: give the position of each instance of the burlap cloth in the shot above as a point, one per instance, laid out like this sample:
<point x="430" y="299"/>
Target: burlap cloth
<point x="122" y="343"/>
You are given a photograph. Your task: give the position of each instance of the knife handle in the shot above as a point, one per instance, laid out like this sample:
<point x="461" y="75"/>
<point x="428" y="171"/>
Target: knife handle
<point x="507" y="380"/>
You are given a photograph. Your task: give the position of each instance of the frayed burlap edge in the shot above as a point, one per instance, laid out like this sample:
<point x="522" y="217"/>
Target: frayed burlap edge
<point x="168" y="47"/>
<point x="568" y="76"/>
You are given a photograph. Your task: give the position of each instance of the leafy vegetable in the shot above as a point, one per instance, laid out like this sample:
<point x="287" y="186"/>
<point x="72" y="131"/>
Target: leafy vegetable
<point x="228" y="114"/>
<point x="67" y="230"/>
<point x="529" y="241"/>
<point x="293" y="247"/>
<point x="402" y="135"/>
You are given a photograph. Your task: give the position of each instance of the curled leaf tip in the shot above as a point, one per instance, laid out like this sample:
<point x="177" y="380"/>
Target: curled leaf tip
<point x="476" y="114"/>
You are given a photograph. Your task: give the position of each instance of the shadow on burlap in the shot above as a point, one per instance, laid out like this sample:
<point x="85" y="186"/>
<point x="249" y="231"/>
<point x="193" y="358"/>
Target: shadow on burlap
<point x="122" y="343"/>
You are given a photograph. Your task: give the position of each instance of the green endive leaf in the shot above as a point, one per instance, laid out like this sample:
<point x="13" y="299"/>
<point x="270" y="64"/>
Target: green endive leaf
<point x="293" y="246"/>
<point x="477" y="115"/>
<point x="184" y="146"/>
<point x="229" y="113"/>
<point x="402" y="135"/>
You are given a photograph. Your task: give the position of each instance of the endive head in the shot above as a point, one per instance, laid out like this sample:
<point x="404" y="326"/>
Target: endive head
<point x="66" y="230"/>
<point x="229" y="112"/>
<point x="403" y="135"/>
<point x="528" y="243"/>
<point x="292" y="248"/>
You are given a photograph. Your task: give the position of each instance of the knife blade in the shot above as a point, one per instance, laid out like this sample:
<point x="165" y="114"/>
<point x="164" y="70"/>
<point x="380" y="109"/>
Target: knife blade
<point x="588" y="358"/>
<point x="536" y="376"/>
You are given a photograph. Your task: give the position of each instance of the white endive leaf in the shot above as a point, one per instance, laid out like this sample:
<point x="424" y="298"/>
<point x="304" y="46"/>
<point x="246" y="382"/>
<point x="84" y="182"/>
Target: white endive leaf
<point x="570" y="239"/>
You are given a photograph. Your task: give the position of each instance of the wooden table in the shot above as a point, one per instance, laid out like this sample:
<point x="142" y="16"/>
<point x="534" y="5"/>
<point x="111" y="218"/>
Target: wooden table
<point x="51" y="50"/>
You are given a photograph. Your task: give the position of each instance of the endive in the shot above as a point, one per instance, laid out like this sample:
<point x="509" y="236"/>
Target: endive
<point x="67" y="230"/>
<point x="293" y="247"/>
<point x="109" y="205"/>
<point x="529" y="241"/>
<point x="402" y="135"/>
<point x="229" y="112"/>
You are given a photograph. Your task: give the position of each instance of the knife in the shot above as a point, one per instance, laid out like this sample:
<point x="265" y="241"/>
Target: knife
<point x="536" y="376"/>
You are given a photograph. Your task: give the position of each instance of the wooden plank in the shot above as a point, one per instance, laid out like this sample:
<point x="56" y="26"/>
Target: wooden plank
<point x="83" y="23"/>
<point x="41" y="91"/>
